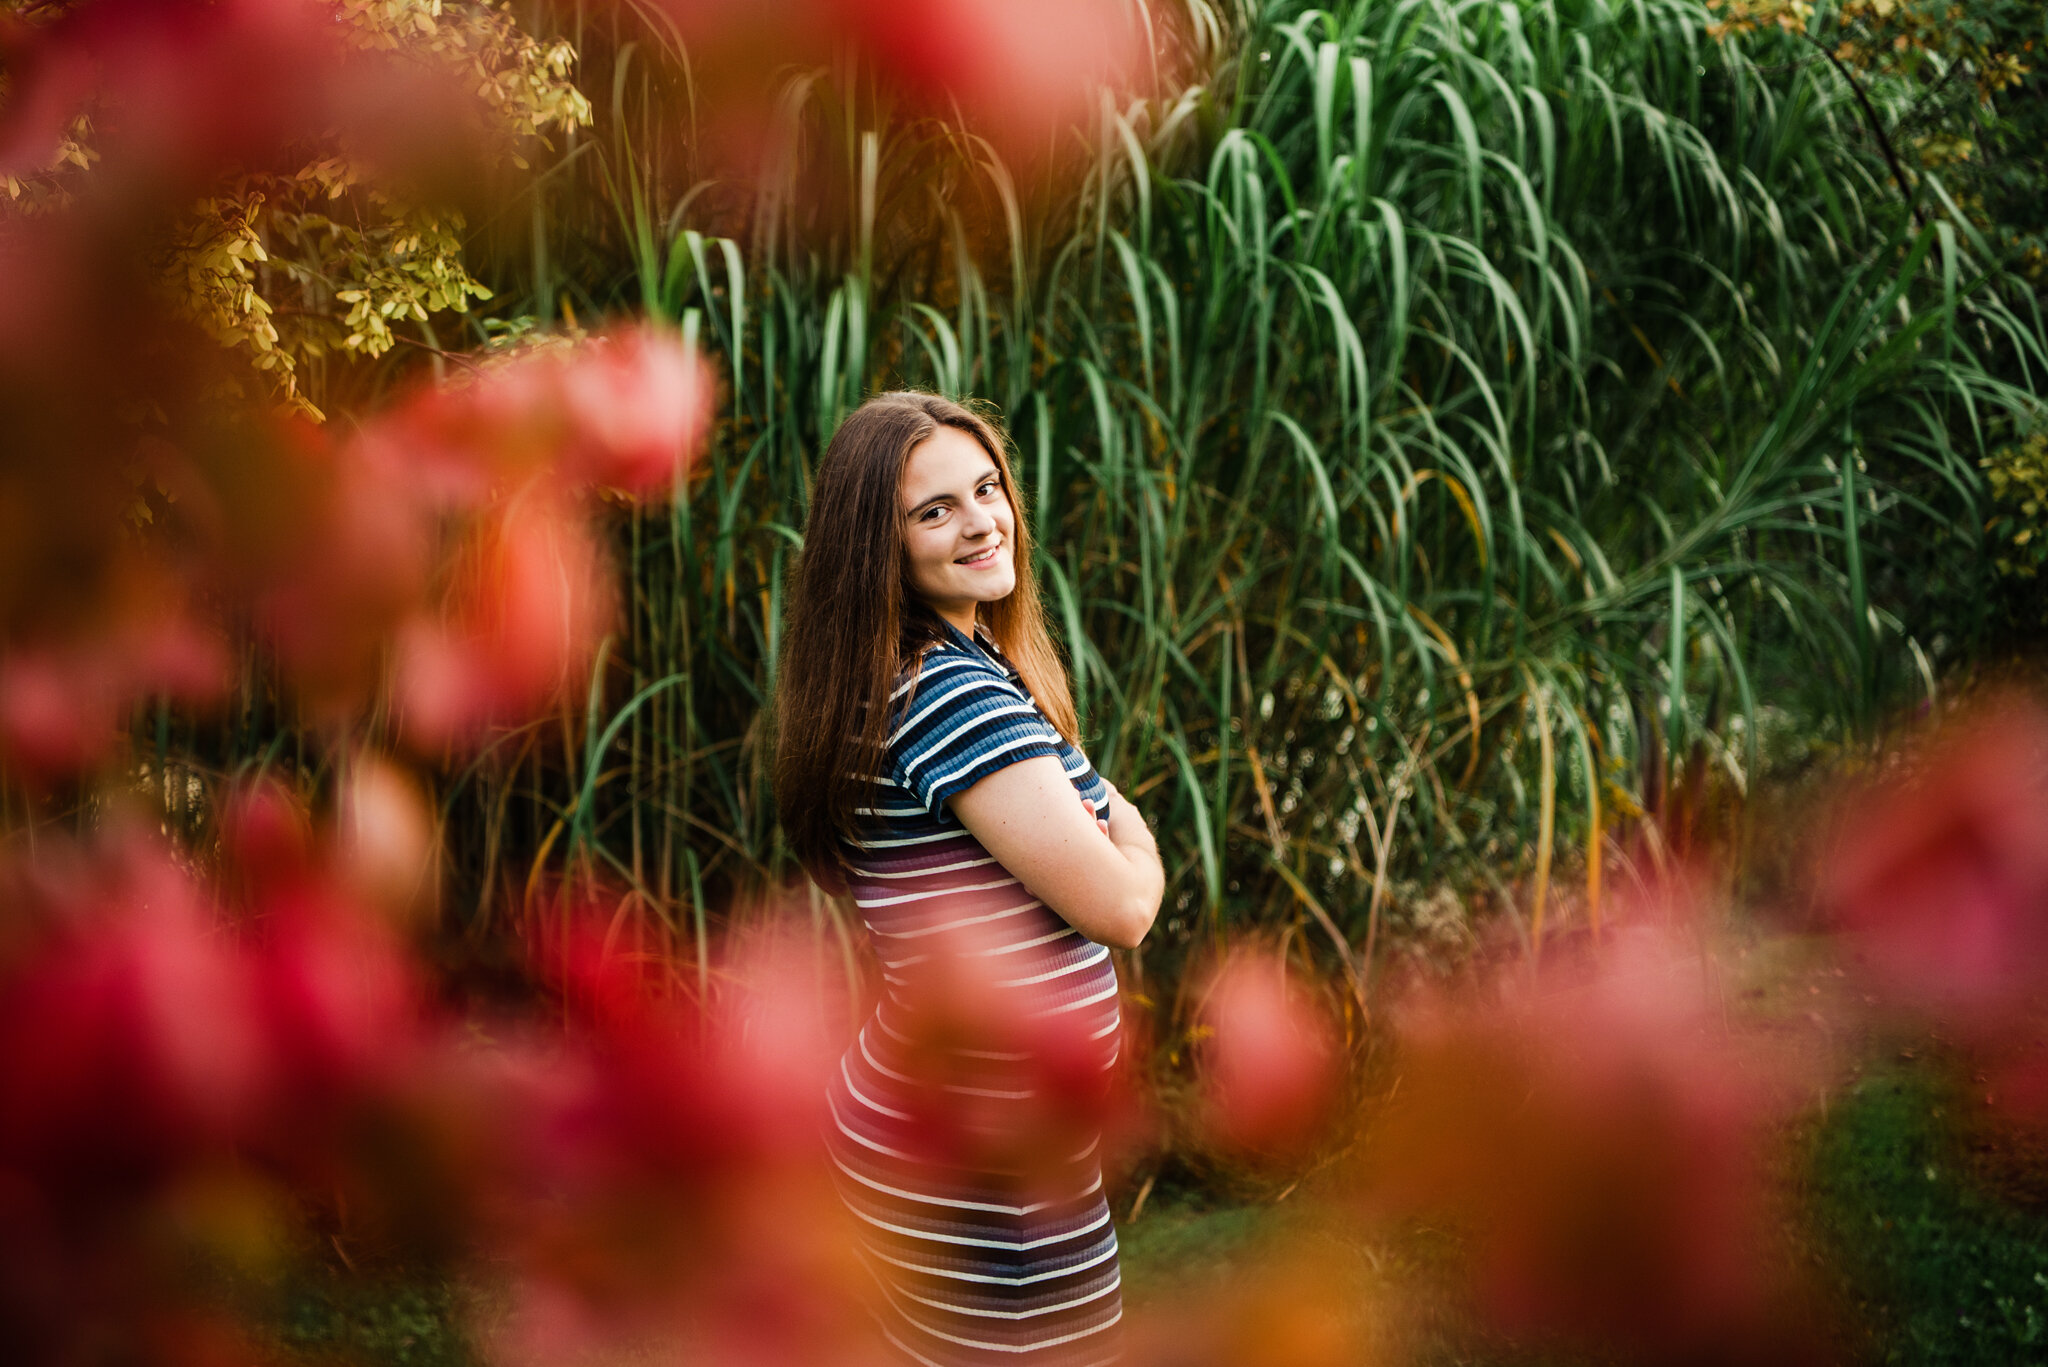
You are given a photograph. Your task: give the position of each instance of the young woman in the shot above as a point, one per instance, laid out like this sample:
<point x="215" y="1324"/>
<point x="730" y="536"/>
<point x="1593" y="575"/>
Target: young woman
<point x="926" y="761"/>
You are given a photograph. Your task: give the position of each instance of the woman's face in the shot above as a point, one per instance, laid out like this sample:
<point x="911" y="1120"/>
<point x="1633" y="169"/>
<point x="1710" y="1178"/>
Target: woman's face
<point x="958" y="526"/>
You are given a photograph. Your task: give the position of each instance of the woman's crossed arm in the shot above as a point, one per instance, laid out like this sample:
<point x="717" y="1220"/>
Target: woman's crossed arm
<point x="1027" y="815"/>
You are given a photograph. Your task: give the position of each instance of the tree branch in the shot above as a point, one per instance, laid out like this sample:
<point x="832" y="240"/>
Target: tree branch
<point x="1884" y="143"/>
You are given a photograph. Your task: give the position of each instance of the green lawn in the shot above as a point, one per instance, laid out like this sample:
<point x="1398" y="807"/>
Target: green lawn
<point x="1938" y="1271"/>
<point x="1183" y="1247"/>
<point x="336" y="1319"/>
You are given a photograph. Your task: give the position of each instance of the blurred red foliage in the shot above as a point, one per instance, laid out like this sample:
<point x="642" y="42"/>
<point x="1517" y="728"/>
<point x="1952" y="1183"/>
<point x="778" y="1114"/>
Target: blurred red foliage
<point x="1019" y="73"/>
<point x="1015" y="74"/>
<point x="181" y="91"/>
<point x="62" y="703"/>
<point x="149" y="1051"/>
<point x="334" y="555"/>
<point x="1058" y="1087"/>
<point x="528" y="600"/>
<point x="113" y="1077"/>
<point x="1293" y="1306"/>
<point x="387" y="841"/>
<point x="1270" y="1067"/>
<point x="457" y="527"/>
<point x="1939" y="874"/>
<point x="638" y="409"/>
<point x="651" y="1174"/>
<point x="184" y="87"/>
<point x="1601" y="1141"/>
<point x="183" y="1061"/>
<point x="670" y="1182"/>
<point x="627" y="411"/>
<point x="149" y="518"/>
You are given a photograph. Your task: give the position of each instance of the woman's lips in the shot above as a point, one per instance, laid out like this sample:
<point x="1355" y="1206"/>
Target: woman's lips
<point x="981" y="558"/>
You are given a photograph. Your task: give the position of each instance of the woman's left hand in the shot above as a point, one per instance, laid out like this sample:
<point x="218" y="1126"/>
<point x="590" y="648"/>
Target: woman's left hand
<point x="1099" y="813"/>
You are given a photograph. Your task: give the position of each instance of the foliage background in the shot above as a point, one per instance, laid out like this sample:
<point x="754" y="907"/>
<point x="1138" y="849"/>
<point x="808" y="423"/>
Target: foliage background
<point x="1470" y="442"/>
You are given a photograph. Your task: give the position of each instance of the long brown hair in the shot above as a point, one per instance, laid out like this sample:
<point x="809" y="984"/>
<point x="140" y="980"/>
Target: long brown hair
<point x="853" y="624"/>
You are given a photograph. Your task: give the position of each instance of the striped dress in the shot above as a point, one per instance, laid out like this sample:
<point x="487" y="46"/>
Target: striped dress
<point x="977" y="1262"/>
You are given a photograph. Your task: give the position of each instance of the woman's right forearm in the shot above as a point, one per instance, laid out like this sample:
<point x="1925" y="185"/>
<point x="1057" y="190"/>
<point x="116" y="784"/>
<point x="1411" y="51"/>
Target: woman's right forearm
<point x="1131" y="835"/>
<point x="1133" y="839"/>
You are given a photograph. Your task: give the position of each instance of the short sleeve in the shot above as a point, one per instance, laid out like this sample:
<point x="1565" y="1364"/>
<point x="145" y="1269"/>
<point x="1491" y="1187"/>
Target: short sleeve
<point x="962" y="722"/>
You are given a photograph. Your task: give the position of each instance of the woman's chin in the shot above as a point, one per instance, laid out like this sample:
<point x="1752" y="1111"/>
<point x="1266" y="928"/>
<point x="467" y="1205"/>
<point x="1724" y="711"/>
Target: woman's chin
<point x="978" y="586"/>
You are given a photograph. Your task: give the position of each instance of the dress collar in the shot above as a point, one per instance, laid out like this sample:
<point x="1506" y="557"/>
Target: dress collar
<point x="961" y="638"/>
<point x="981" y="643"/>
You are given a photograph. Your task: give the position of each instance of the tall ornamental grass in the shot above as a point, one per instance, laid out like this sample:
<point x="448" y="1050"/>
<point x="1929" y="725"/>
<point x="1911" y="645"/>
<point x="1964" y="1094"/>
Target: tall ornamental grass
<point x="1458" y="433"/>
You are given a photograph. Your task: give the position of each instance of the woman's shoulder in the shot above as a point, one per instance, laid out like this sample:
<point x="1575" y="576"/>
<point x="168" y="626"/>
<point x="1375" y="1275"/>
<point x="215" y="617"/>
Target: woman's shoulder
<point x="947" y="675"/>
<point x="959" y="719"/>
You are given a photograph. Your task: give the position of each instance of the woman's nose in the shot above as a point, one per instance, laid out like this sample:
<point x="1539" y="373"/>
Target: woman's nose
<point x="979" y="521"/>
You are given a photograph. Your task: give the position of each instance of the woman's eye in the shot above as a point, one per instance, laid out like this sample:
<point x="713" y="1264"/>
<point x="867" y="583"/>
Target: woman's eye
<point x="985" y="490"/>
